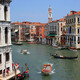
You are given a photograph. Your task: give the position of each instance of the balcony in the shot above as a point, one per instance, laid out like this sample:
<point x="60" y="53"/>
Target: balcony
<point x="10" y="75"/>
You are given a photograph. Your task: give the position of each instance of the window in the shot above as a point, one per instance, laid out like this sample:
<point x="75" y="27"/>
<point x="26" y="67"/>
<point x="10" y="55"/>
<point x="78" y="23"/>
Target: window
<point x="7" y="56"/>
<point x="0" y="71"/>
<point x="78" y="40"/>
<point x="31" y="34"/>
<point x="78" y="31"/>
<point x="0" y="59"/>
<point x="40" y="34"/>
<point x="6" y="35"/>
<point x="72" y="20"/>
<point x="5" y="12"/>
<point x="78" y="19"/>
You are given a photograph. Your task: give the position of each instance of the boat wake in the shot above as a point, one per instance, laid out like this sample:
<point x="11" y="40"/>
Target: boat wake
<point x="39" y="72"/>
<point x="28" y="53"/>
<point x="52" y="72"/>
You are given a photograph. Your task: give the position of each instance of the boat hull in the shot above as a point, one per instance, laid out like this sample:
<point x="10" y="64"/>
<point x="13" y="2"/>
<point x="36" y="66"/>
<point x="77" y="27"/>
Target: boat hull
<point x="64" y="57"/>
<point x="46" y="69"/>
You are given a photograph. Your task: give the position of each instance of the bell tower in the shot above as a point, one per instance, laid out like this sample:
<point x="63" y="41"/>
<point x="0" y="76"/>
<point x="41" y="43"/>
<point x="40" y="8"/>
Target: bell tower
<point x="49" y="14"/>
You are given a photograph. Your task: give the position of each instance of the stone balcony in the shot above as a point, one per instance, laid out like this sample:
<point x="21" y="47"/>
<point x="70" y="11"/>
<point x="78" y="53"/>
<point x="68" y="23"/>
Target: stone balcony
<point x="11" y="75"/>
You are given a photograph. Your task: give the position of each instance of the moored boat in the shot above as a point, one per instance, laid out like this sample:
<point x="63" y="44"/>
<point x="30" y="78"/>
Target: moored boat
<point x="46" y="69"/>
<point x="33" y="42"/>
<point x="64" y="57"/>
<point x="18" y="43"/>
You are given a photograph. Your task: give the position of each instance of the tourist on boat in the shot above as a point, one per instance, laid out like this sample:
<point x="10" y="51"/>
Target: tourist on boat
<point x="17" y="65"/>
<point x="56" y="53"/>
<point x="26" y="67"/>
<point x="13" y="65"/>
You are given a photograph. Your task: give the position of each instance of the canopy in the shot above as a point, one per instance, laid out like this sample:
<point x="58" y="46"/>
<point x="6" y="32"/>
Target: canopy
<point x="16" y="30"/>
<point x="51" y="35"/>
<point x="26" y="33"/>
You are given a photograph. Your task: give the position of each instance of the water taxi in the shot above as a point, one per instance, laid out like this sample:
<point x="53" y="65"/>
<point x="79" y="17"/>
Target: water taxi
<point x="24" y="51"/>
<point x="46" y="69"/>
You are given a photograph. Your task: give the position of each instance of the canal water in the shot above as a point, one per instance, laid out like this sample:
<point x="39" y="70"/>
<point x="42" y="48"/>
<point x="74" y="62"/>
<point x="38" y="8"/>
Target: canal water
<point x="40" y="55"/>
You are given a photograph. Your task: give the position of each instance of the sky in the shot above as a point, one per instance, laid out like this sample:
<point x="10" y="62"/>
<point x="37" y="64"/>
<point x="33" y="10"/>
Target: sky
<point x="37" y="10"/>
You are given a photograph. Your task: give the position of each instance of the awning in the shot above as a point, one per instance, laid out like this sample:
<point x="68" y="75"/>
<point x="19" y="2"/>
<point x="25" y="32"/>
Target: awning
<point x="51" y="35"/>
<point x="16" y="30"/>
<point x="26" y="33"/>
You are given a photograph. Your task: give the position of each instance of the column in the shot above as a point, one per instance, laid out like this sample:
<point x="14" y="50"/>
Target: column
<point x="3" y="35"/>
<point x="2" y="63"/>
<point x="10" y="54"/>
<point x="8" y="13"/>
<point x="1" y="12"/>
<point x="76" y="41"/>
<point x="9" y="35"/>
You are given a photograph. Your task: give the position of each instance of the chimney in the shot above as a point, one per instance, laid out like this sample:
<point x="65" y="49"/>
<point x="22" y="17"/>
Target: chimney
<point x="72" y="12"/>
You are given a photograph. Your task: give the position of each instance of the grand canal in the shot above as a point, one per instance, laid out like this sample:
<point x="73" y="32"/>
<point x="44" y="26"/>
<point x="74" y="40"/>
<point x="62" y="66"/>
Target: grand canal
<point x="40" y="54"/>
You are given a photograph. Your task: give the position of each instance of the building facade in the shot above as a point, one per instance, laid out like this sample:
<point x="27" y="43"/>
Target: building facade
<point x="5" y="41"/>
<point x="73" y="29"/>
<point x="5" y="38"/>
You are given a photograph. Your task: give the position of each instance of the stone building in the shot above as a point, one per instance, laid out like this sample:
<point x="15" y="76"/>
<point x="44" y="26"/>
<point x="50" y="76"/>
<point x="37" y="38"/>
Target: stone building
<point x="5" y="40"/>
<point x="73" y="29"/>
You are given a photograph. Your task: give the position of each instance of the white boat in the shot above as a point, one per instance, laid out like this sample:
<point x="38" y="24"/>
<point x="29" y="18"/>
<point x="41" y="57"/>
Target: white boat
<point x="24" y="51"/>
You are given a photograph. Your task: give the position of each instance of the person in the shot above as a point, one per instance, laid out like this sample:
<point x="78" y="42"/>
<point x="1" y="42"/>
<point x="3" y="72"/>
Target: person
<point x="17" y="65"/>
<point x="26" y="67"/>
<point x="4" y="73"/>
<point x="56" y="53"/>
<point x="7" y="72"/>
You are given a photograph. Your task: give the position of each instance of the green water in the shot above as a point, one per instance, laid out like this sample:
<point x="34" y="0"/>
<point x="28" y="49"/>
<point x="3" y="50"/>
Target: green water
<point x="64" y="69"/>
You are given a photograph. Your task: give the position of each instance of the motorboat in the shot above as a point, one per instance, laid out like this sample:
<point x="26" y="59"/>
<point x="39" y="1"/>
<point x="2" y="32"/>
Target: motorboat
<point x="46" y="69"/>
<point x="24" y="51"/>
<point x="18" y="43"/>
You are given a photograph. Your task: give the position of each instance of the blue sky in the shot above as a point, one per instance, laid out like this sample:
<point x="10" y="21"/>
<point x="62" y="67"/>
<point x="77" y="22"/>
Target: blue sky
<point x="37" y="10"/>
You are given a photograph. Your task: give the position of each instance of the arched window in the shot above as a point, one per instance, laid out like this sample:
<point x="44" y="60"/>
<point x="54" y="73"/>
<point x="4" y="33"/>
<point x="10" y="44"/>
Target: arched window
<point x="6" y="35"/>
<point x="0" y="35"/>
<point x="70" y="29"/>
<point x="5" y="12"/>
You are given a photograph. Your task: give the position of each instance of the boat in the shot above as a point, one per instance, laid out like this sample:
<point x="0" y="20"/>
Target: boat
<point x="24" y="74"/>
<point x="18" y="43"/>
<point x="46" y="69"/>
<point x="63" y="57"/>
<point x="33" y="42"/>
<point x="24" y="51"/>
<point x="73" y="48"/>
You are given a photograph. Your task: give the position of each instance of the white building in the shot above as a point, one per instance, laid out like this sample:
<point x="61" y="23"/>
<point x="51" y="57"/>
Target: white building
<point x="73" y="29"/>
<point x="5" y="40"/>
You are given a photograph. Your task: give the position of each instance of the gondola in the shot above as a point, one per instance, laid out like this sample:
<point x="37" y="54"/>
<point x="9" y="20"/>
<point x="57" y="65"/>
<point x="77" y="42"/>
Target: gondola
<point x="22" y="75"/>
<point x="64" y="57"/>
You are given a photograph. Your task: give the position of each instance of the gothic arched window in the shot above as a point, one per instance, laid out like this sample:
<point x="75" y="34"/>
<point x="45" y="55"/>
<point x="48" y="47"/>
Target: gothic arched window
<point x="5" y="12"/>
<point x="6" y="35"/>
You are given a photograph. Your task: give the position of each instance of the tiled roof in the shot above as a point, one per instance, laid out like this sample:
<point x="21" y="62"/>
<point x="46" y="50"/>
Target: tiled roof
<point x="73" y="13"/>
<point x="29" y="23"/>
